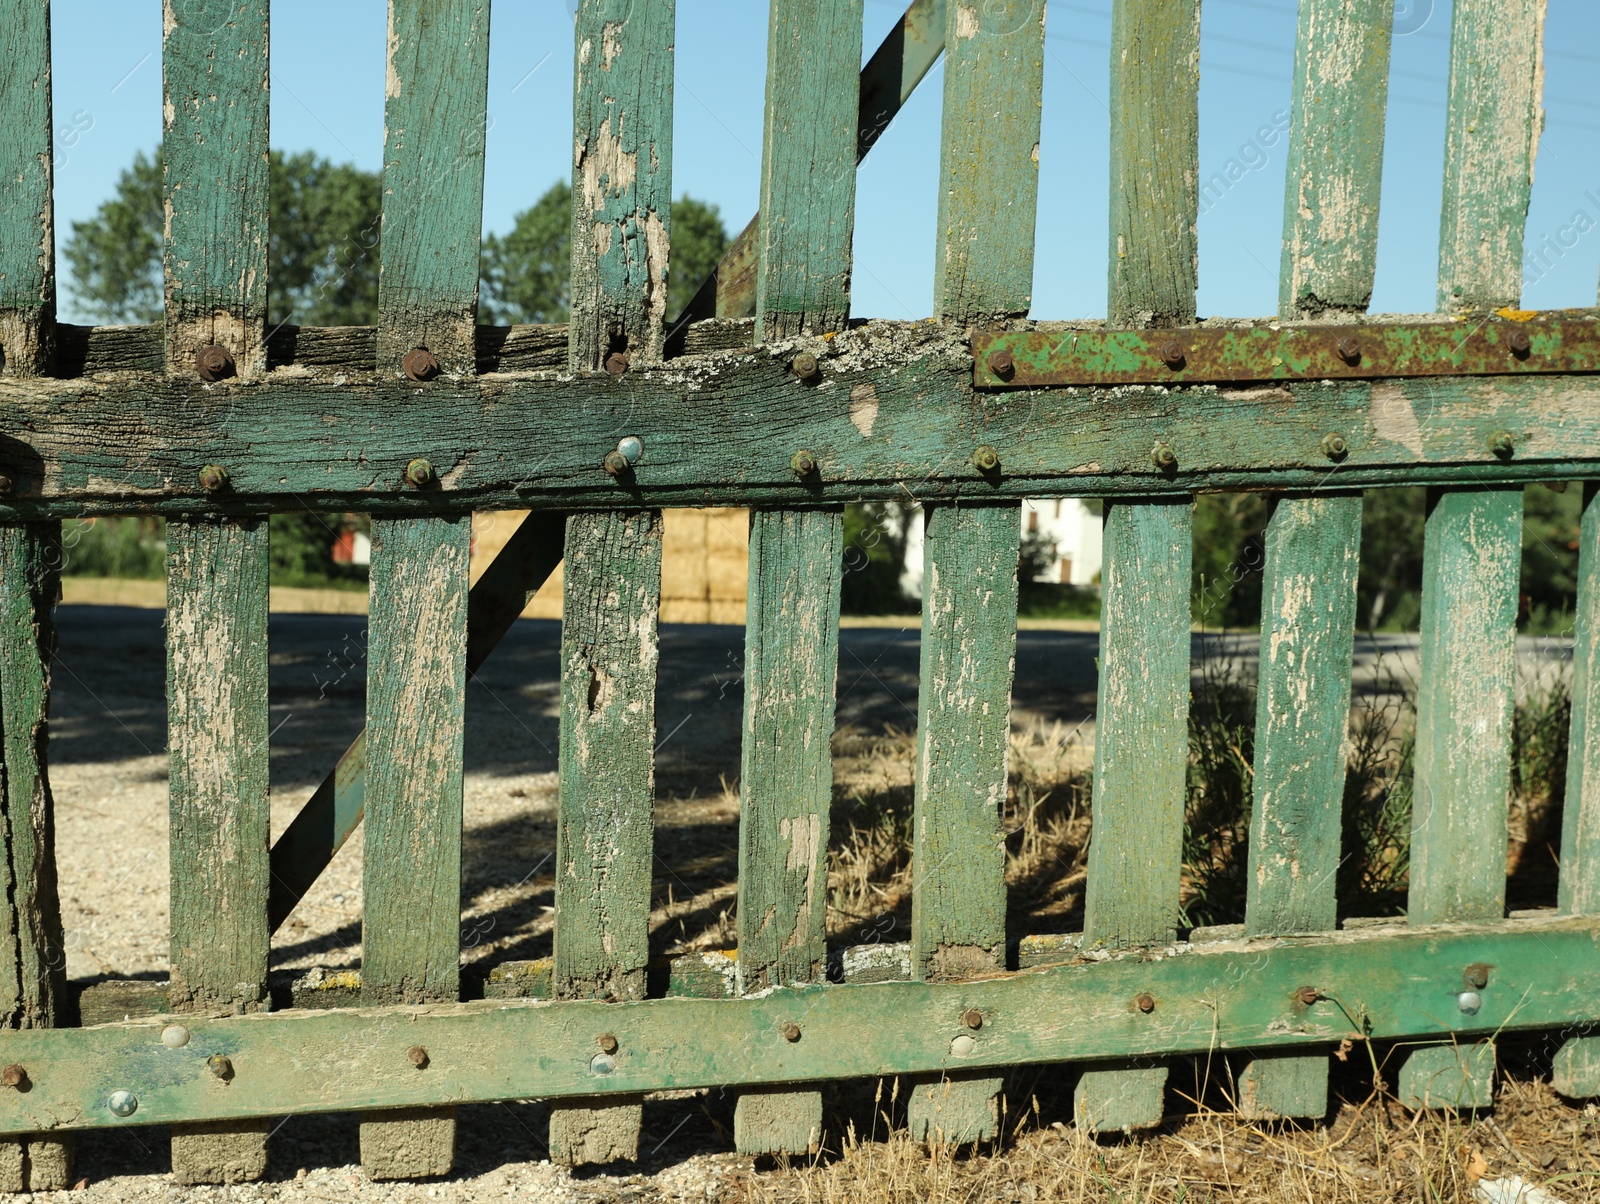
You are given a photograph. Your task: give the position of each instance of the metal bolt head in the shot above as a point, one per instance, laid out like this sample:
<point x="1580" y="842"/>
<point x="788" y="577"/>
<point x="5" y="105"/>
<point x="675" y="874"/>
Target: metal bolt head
<point x="1469" y="1002"/>
<point x="13" y="1075"/>
<point x="220" y="1066"/>
<point x="1334" y="446"/>
<point x="602" y="1063"/>
<point x="986" y="459"/>
<point x="1145" y="1002"/>
<point x="1163" y="457"/>
<point x="417" y="1055"/>
<point x="1349" y="350"/>
<point x="420" y="364"/>
<point x="213" y="363"/>
<point x="608" y="1043"/>
<point x="616" y="463"/>
<point x="791" y="1032"/>
<point x="419" y="473"/>
<point x="7" y="483"/>
<point x="972" y="1018"/>
<point x="805" y="366"/>
<point x="123" y="1103"/>
<point x="1002" y="364"/>
<point x="174" y="1036"/>
<point x="1171" y="353"/>
<point x="803" y="463"/>
<point x="213" y="478"/>
<point x="1502" y="444"/>
<point x="962" y="1045"/>
<point x="1476" y="976"/>
<point x="1307" y="995"/>
<point x="1521" y="343"/>
<point x="631" y="448"/>
<point x="617" y="363"/>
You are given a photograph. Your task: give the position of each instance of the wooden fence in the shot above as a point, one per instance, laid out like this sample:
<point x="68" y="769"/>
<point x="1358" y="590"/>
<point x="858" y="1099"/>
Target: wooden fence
<point x="214" y="420"/>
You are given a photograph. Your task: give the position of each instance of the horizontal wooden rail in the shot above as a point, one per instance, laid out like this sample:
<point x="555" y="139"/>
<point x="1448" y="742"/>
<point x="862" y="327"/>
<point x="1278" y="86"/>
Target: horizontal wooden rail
<point x="1370" y="983"/>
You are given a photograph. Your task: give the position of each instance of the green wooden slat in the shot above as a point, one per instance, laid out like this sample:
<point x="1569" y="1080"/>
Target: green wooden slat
<point x="27" y="220"/>
<point x="958" y="909"/>
<point x="604" y="822"/>
<point x="32" y="970"/>
<point x="1579" y="889"/>
<point x="808" y="166"/>
<point x="435" y="117"/>
<point x="217" y="728"/>
<point x="214" y="67"/>
<point x="786" y="782"/>
<point x="416" y="692"/>
<point x="621" y="179"/>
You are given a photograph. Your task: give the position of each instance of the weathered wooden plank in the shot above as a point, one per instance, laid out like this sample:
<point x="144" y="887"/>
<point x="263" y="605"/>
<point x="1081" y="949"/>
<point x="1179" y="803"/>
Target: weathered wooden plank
<point x="435" y="118"/>
<point x="518" y="1049"/>
<point x="411" y="910"/>
<point x="786" y="782"/>
<point x="1155" y="170"/>
<point x="808" y="167"/>
<point x="604" y="823"/>
<point x="621" y="181"/>
<point x="27" y="224"/>
<point x="1140" y="760"/>
<point x="214" y="252"/>
<point x="217" y="728"/>
<point x="958" y="910"/>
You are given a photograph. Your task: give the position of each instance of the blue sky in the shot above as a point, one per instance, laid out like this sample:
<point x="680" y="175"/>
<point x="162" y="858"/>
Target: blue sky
<point x="327" y="81"/>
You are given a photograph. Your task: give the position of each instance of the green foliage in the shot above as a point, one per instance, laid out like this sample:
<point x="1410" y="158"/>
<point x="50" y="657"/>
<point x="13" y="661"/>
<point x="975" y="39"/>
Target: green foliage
<point x="527" y="272"/>
<point x="114" y="547"/>
<point x="1389" y="583"/>
<point x="1216" y="830"/>
<point x="322" y="257"/>
<point x="874" y="559"/>
<point x="300" y="551"/>
<point x="1228" y="533"/>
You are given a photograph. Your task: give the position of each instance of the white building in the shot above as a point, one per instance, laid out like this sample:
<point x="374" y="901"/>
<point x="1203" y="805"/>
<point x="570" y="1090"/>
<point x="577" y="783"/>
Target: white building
<point x="1074" y="529"/>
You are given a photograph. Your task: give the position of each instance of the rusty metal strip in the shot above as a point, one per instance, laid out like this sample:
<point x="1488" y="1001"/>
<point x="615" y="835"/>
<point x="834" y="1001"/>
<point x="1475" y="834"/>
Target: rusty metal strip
<point x="1495" y="345"/>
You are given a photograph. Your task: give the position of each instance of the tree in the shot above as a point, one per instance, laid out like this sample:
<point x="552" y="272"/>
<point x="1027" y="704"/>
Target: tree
<point x="527" y="272"/>
<point x="322" y="245"/>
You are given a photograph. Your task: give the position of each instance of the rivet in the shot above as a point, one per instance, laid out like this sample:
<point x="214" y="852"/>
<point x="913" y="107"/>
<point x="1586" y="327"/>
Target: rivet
<point x="7" y="484"/>
<point x="803" y="463"/>
<point x="220" y="1066"/>
<point x="1334" y="447"/>
<point x="631" y="448"/>
<point x="1502" y="444"/>
<point x="1521" y="343"/>
<point x="1476" y="976"/>
<point x="174" y="1036"/>
<point x="1002" y="363"/>
<point x="1349" y="350"/>
<point x="986" y="459"/>
<point x="608" y="1043"/>
<point x="1145" y="1002"/>
<point x="13" y="1076"/>
<point x="962" y="1045"/>
<point x="972" y="1018"/>
<point x="417" y="1055"/>
<point x="1171" y="353"/>
<point x="123" y="1103"/>
<point x="419" y="473"/>
<point x="1469" y="1002"/>
<point x="213" y="363"/>
<point x="1163" y="457"/>
<point x="617" y="363"/>
<point x="805" y="366"/>
<point x="213" y="478"/>
<point x="1307" y="995"/>
<point x="602" y="1063"/>
<point x="791" y="1032"/>
<point x="420" y="364"/>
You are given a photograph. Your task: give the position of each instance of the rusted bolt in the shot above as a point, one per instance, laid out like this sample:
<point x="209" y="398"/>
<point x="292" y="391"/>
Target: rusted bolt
<point x="1334" y="447"/>
<point x="1171" y="353"/>
<point x="213" y="478"/>
<point x="617" y="363"/>
<point x="7" y="484"/>
<point x="986" y="459"/>
<point x="1502" y="444"/>
<point x="417" y="1055"/>
<point x="608" y="1043"/>
<point x="803" y="463"/>
<point x="420" y="364"/>
<point x="419" y="474"/>
<point x="213" y="363"/>
<point x="1145" y="1002"/>
<point x="1349" y="350"/>
<point x="220" y="1066"/>
<point x="1521" y="343"/>
<point x="616" y="463"/>
<point x="1476" y="976"/>
<point x="13" y="1076"/>
<point x="972" y="1018"/>
<point x="791" y="1032"/>
<point x="1163" y="457"/>
<point x="805" y="366"/>
<point x="1307" y="995"/>
<point x="1002" y="364"/>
